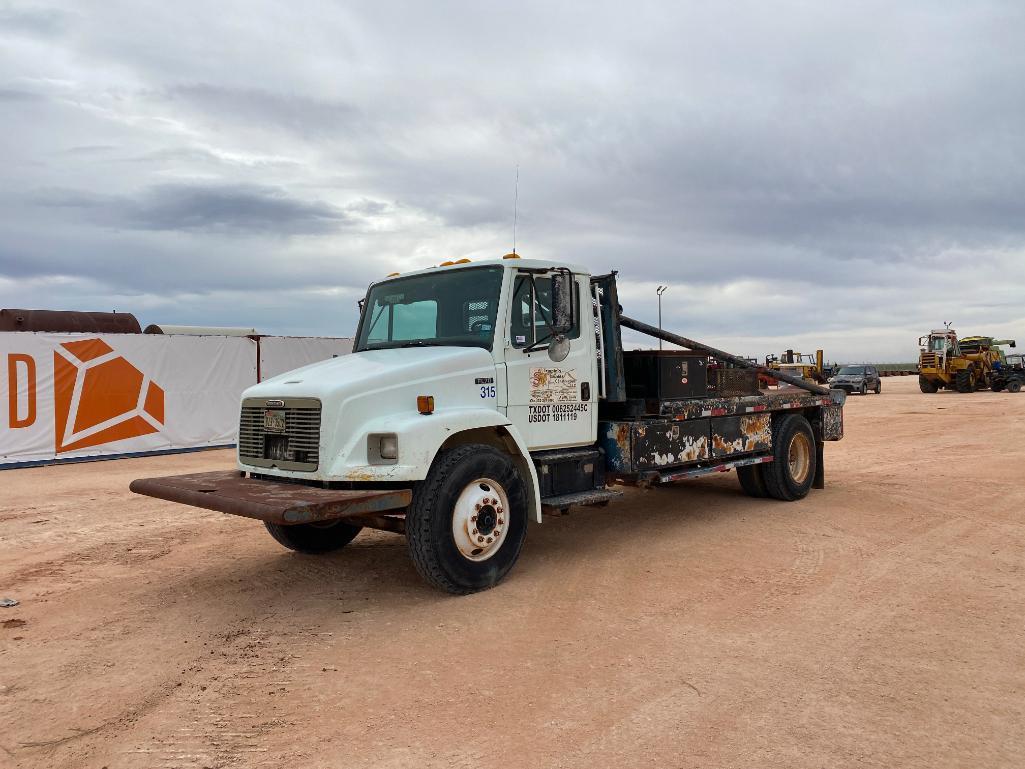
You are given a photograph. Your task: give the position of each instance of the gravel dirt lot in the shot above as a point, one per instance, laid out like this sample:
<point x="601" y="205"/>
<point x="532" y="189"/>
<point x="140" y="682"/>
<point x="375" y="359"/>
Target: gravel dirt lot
<point x="877" y="623"/>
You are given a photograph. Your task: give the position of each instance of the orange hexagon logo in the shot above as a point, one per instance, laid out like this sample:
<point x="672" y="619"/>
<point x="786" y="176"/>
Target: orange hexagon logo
<point x="99" y="397"/>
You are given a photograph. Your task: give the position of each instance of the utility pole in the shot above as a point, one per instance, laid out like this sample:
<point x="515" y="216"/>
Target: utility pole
<point x="661" y="290"/>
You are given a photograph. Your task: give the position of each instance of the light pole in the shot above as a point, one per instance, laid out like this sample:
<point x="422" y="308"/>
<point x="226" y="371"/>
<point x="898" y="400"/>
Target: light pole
<point x="661" y="290"/>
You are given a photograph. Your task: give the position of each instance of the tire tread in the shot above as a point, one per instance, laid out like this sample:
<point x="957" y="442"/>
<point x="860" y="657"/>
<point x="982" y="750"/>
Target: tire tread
<point x="419" y="534"/>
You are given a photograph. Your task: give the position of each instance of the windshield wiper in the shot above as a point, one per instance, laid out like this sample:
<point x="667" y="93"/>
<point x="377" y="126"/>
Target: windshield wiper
<point x="419" y="343"/>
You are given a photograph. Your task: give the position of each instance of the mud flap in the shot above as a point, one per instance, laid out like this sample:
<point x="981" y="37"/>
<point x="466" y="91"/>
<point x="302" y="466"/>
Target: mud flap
<point x="819" y="481"/>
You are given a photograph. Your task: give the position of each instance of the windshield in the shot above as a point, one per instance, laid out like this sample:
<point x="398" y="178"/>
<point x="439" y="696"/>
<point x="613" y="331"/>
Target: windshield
<point x="851" y="370"/>
<point x="454" y="307"/>
<point x="938" y="343"/>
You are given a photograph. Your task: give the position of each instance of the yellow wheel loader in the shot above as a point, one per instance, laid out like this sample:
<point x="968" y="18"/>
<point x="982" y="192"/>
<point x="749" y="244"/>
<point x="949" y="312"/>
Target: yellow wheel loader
<point x="944" y="362"/>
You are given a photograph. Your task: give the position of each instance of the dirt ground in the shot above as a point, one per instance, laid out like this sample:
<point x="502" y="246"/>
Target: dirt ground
<point x="877" y="623"/>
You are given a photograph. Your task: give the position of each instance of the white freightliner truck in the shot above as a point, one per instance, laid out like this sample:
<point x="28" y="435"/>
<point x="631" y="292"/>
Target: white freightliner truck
<point x="480" y="395"/>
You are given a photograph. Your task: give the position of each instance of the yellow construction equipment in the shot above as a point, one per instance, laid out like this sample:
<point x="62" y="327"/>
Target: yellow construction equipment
<point x="944" y="361"/>
<point x="804" y="365"/>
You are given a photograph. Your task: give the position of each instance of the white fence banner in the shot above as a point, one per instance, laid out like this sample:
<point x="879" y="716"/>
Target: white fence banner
<point x="279" y="354"/>
<point x="81" y="395"/>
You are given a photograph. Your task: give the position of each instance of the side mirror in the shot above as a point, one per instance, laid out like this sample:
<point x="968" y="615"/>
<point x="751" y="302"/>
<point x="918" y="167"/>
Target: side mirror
<point x="562" y="303"/>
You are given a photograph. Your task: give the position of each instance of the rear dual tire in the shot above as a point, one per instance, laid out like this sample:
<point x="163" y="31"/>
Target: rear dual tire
<point x="790" y="475"/>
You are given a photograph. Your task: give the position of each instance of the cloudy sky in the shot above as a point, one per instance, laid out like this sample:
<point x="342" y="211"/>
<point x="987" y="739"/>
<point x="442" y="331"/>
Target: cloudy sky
<point x="801" y="174"/>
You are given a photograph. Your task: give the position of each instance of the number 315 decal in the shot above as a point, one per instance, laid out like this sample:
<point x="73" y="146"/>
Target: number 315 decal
<point x="487" y="391"/>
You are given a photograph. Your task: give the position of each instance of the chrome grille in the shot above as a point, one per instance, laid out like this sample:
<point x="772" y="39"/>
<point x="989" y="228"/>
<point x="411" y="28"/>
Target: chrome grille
<point x="297" y="448"/>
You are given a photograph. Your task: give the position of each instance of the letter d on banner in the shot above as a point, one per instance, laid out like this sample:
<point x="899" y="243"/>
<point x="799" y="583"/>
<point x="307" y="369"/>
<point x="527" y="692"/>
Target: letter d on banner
<point x="13" y="393"/>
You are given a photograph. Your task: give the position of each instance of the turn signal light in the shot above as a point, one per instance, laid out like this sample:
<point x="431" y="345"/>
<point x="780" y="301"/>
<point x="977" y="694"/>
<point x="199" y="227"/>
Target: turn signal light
<point x="513" y="255"/>
<point x="425" y="404"/>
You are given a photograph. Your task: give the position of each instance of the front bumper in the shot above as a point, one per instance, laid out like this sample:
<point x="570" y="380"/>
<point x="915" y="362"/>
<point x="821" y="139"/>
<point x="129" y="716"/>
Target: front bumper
<point x="847" y="387"/>
<point x="229" y="491"/>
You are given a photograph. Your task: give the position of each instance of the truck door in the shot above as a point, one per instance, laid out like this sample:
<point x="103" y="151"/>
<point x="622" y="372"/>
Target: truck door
<point x="553" y="404"/>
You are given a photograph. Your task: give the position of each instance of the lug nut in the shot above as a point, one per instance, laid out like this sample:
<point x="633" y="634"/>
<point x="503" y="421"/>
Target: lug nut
<point x="474" y="532"/>
<point x="498" y="510"/>
<point x="501" y="520"/>
<point x="481" y="540"/>
<point x="478" y="508"/>
<point x="473" y="517"/>
<point x="489" y="540"/>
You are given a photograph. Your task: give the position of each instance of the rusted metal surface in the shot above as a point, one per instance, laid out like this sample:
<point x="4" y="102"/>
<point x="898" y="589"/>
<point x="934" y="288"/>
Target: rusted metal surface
<point x="784" y="399"/>
<point x="615" y="439"/>
<point x="227" y="491"/>
<point x="61" y="321"/>
<point x="690" y="344"/>
<point x="741" y="435"/>
<point x="693" y="472"/>
<point x="831" y="420"/>
<point x="667" y="443"/>
<point x="590" y="497"/>
<point x="732" y="382"/>
<point x="636" y="446"/>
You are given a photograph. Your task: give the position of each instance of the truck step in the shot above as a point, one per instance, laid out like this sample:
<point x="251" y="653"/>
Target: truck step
<point x="592" y="497"/>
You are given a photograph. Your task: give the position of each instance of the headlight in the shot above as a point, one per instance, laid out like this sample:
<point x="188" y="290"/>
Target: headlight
<point x="389" y="447"/>
<point x="382" y="448"/>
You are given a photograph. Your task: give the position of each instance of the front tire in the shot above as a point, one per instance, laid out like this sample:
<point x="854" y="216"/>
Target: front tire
<point x="314" y="538"/>
<point x="791" y="473"/>
<point x="927" y="385"/>
<point x="863" y="389"/>
<point x="466" y="524"/>
<point x="878" y="388"/>
<point x="1014" y="386"/>
<point x="964" y="380"/>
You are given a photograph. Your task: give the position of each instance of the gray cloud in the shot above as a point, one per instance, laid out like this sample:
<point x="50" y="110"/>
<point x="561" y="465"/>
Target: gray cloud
<point x="243" y="208"/>
<point x="226" y="209"/>
<point x="45" y="22"/>
<point x="850" y="174"/>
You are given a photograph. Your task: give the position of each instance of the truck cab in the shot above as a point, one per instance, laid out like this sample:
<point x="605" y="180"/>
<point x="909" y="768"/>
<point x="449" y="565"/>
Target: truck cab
<point x="466" y="344"/>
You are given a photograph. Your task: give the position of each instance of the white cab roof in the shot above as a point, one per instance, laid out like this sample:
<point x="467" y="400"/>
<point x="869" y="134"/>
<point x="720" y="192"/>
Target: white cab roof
<point x="530" y="264"/>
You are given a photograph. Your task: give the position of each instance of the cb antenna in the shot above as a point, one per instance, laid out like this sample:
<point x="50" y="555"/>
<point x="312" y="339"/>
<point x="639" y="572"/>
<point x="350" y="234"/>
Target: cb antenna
<point x="516" y="205"/>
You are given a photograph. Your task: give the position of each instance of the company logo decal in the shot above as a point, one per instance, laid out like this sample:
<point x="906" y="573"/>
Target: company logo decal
<point x="100" y="397"/>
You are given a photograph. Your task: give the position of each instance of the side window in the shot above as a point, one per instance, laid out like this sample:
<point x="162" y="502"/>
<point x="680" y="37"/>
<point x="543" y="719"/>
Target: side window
<point x="521" y="330"/>
<point x="532" y="311"/>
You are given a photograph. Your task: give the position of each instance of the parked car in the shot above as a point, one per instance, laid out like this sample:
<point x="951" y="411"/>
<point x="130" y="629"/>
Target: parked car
<point x="857" y="379"/>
